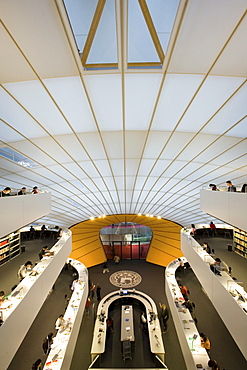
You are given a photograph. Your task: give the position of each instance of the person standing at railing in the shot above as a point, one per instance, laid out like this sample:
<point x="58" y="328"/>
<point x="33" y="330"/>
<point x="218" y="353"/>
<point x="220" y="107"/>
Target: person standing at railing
<point x="35" y="190"/>
<point x="244" y="188"/>
<point x="22" y="191"/>
<point x="5" y="192"/>
<point x="231" y="187"/>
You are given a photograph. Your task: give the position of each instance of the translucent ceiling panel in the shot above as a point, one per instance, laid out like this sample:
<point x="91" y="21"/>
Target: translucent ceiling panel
<point x="202" y="36"/>
<point x="104" y="47"/>
<point x="155" y="143"/>
<point x="80" y="14"/>
<point x="134" y="142"/>
<point x="230" y="114"/>
<point x="106" y="96"/>
<point x="238" y="130"/>
<point x="34" y="98"/>
<point x="34" y="153"/>
<point x="233" y="60"/>
<point x="176" y="143"/>
<point x="37" y="29"/>
<point x="93" y="145"/>
<point x="73" y="145"/>
<point x="15" y="116"/>
<point x="213" y="94"/>
<point x="71" y="98"/>
<point x="10" y="58"/>
<point x="176" y="94"/>
<point x="163" y="15"/>
<point x="49" y="146"/>
<point x="140" y="45"/>
<point x="113" y="142"/>
<point x="8" y="134"/>
<point x="140" y="96"/>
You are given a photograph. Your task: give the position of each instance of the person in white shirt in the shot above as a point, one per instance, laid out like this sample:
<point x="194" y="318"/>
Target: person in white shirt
<point x="61" y="323"/>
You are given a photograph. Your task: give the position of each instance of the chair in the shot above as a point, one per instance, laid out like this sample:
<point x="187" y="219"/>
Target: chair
<point x="227" y="234"/>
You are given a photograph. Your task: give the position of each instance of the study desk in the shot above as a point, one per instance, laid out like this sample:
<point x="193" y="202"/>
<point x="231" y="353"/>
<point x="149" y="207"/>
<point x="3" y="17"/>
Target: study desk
<point x="64" y="342"/>
<point x="29" y="296"/>
<point x="127" y="323"/>
<point x="187" y="332"/>
<point x="154" y="330"/>
<point x="227" y="296"/>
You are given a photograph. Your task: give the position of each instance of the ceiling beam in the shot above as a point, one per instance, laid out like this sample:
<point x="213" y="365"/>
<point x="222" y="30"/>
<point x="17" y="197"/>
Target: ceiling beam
<point x="152" y="30"/>
<point x="92" y="31"/>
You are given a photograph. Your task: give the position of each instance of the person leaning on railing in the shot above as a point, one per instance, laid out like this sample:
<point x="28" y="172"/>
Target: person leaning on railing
<point x="6" y="192"/>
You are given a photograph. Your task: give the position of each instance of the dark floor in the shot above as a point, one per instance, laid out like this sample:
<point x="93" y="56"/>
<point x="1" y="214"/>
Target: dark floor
<point x="223" y="349"/>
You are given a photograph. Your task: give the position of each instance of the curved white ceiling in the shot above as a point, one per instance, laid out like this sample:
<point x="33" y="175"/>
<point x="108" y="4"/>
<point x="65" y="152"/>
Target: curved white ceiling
<point x="124" y="140"/>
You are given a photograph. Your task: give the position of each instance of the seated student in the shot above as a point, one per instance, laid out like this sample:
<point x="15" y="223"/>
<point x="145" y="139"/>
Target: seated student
<point x="205" y="342"/>
<point x="24" y="270"/>
<point x="207" y="248"/>
<point x="184" y="291"/>
<point x="213" y="365"/>
<point x="215" y="267"/>
<point x="5" y="192"/>
<point x="61" y="323"/>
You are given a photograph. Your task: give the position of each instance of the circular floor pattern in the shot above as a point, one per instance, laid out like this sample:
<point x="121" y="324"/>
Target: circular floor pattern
<point x="125" y="279"/>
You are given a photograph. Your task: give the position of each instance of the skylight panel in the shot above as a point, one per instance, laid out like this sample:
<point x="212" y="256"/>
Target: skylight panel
<point x="17" y="157"/>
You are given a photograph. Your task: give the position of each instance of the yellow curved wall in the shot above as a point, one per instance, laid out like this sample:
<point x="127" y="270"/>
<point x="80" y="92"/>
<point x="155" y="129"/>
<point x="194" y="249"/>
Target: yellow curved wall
<point x="87" y="246"/>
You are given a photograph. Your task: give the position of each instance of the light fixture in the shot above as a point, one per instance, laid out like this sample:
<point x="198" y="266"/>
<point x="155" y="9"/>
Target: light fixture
<point x="92" y="218"/>
<point x="151" y="216"/>
<point x="139" y="214"/>
<point x="147" y="215"/>
<point x="103" y="215"/>
<point x="159" y="217"/>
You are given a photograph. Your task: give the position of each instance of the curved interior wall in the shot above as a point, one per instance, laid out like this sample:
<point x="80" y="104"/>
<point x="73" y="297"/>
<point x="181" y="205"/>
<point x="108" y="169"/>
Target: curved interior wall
<point x="164" y="246"/>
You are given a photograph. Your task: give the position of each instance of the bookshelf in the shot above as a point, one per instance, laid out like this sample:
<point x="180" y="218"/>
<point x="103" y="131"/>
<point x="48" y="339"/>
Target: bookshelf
<point x="9" y="247"/>
<point x="240" y="242"/>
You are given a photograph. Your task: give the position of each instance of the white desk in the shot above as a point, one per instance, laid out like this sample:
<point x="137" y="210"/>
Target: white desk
<point x="64" y="342"/>
<point x="127" y="324"/>
<point x="154" y="330"/>
<point x="223" y="291"/>
<point x="29" y="297"/>
<point x="185" y="326"/>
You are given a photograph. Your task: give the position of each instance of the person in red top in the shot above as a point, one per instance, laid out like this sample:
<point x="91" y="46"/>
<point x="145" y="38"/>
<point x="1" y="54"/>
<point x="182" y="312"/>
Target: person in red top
<point x="35" y="190"/>
<point x="184" y="290"/>
<point x="212" y="228"/>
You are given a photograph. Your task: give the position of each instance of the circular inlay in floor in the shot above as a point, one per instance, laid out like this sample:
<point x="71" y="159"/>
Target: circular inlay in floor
<point x="125" y="279"/>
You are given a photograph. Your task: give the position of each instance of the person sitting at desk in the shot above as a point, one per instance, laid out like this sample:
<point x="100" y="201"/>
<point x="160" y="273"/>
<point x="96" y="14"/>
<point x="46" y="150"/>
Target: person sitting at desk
<point x="205" y="342"/>
<point x="213" y="365"/>
<point x="216" y="266"/>
<point x="24" y="270"/>
<point x="61" y="323"/>
<point x="143" y="321"/>
<point x="45" y="252"/>
<point x="206" y="248"/>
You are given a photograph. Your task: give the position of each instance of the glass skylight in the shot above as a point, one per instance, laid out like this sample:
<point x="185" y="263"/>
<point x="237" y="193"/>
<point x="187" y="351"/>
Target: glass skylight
<point x="17" y="157"/>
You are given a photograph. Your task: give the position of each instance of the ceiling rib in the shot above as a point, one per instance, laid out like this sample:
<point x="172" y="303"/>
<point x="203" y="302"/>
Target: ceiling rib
<point x="152" y="30"/>
<point x="92" y="31"/>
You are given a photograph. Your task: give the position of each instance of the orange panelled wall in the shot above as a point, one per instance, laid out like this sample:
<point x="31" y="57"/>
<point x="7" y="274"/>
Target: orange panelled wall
<point x="164" y="247"/>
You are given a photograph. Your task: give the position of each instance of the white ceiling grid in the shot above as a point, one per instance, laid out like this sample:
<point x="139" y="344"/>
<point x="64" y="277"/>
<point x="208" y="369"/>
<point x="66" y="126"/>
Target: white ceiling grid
<point x="124" y="140"/>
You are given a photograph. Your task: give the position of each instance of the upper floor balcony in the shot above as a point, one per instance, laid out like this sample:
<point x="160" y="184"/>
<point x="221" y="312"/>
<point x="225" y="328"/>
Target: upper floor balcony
<point x="230" y="207"/>
<point x="18" y="211"/>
